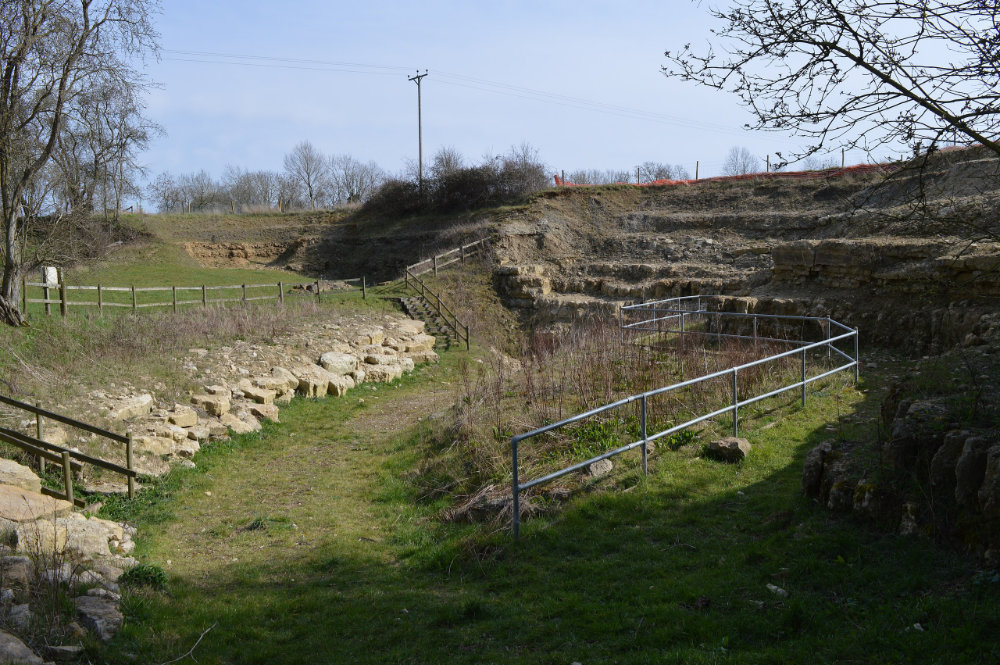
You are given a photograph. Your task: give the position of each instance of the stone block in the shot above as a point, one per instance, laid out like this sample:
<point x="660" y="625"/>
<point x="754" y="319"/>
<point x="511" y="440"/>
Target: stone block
<point x="729" y="449"/>
<point x="214" y="405"/>
<point x="18" y="475"/>
<point x="268" y="411"/>
<point x="132" y="407"/>
<point x="183" y="416"/>
<point x="338" y="363"/>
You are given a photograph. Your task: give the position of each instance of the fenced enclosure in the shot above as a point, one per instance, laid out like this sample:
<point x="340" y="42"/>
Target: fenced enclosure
<point x="99" y="296"/>
<point x="821" y="347"/>
<point x="71" y="461"/>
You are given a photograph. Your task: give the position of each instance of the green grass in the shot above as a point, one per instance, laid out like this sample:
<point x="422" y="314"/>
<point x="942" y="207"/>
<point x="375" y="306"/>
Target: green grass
<point x="309" y="543"/>
<point x="158" y="264"/>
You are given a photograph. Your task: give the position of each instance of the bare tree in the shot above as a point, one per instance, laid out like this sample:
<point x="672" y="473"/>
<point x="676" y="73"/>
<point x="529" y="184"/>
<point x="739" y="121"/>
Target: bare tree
<point x="310" y="169"/>
<point x="650" y="171"/>
<point x="446" y="161"/>
<point x="51" y="52"/>
<point x="864" y="73"/>
<point x="740" y="161"/>
<point x="353" y="181"/>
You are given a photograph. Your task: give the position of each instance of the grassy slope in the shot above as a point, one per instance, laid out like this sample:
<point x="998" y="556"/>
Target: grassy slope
<point x="309" y="544"/>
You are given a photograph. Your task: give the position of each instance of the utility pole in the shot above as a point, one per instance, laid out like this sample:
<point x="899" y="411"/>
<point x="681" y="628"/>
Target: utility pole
<point x="416" y="78"/>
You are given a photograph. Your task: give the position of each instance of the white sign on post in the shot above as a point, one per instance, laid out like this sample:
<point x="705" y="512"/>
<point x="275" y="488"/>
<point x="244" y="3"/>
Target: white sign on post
<point x="50" y="275"/>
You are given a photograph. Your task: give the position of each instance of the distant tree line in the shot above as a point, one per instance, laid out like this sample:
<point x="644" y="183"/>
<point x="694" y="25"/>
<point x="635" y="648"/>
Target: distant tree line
<point x="309" y="180"/>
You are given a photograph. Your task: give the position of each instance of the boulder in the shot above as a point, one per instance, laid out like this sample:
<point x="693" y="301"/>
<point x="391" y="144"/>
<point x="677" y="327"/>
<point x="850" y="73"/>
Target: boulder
<point x="99" y="615"/>
<point x="970" y="470"/>
<point x="265" y="411"/>
<point x="729" y="449"/>
<point x="291" y="381"/>
<point x="13" y="650"/>
<point x="338" y="363"/>
<point x="313" y="380"/>
<point x="199" y="433"/>
<point x="419" y="343"/>
<point x="21" y="505"/>
<point x="17" y="570"/>
<point x="383" y="373"/>
<point x="257" y="394"/>
<point x="340" y="385"/>
<point x="182" y="416"/>
<point x="132" y="407"/>
<point x="214" y="405"/>
<point x="381" y="359"/>
<point x="599" y="468"/>
<point x="240" y="425"/>
<point x="942" y="470"/>
<point x="154" y="445"/>
<point x="18" y="475"/>
<point x="989" y="491"/>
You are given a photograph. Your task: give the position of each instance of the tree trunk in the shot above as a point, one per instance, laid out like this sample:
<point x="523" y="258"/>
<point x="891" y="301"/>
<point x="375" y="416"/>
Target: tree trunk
<point x="10" y="314"/>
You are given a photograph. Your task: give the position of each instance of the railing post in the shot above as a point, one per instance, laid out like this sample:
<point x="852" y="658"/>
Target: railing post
<point x="645" y="449"/>
<point x="173" y="291"/>
<point x="244" y="296"/>
<point x="364" y="288"/>
<point x="100" y="300"/>
<point x="128" y="465"/>
<point x="462" y="251"/>
<point x="281" y="293"/>
<point x="468" y="344"/>
<point x="204" y="295"/>
<point x="317" y="290"/>
<point x="39" y="433"/>
<point x="514" y="490"/>
<point x="135" y="305"/>
<point x="62" y="297"/>
<point x="24" y="295"/>
<point x="803" y="377"/>
<point x="828" y="328"/>
<point x="755" y="333"/>
<point x="435" y="265"/>
<point x="45" y="295"/>
<point x="67" y="476"/>
<point x="857" y="358"/>
<point x="621" y="324"/>
<point x="736" y="404"/>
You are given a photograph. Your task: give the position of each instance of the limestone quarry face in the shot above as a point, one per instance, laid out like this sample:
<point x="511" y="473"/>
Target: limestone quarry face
<point x="859" y="249"/>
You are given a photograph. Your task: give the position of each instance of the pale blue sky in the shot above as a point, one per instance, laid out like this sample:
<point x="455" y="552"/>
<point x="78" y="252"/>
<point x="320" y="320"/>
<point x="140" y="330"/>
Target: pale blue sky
<point x="216" y="112"/>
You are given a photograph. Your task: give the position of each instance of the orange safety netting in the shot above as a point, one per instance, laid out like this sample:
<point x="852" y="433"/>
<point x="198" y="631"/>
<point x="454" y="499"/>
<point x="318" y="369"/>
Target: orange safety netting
<point x="774" y="175"/>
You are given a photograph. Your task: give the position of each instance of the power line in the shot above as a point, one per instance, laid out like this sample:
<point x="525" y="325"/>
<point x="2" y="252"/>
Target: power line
<point x="452" y="79"/>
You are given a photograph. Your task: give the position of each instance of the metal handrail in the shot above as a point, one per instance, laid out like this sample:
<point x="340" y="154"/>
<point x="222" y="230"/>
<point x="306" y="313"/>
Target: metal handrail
<point x="733" y="408"/>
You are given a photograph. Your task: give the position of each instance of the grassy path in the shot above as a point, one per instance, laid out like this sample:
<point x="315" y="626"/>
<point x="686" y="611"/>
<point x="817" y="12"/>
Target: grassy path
<point x="307" y="545"/>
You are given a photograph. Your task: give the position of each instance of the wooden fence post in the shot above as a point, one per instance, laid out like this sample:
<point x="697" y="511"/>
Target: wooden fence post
<point x="62" y="296"/>
<point x="244" y="296"/>
<point x="67" y="476"/>
<point x="281" y="293"/>
<point x="128" y="465"/>
<point x="45" y="295"/>
<point x="364" y="289"/>
<point x="173" y="290"/>
<point x="204" y="295"/>
<point x="38" y="433"/>
<point x="135" y="304"/>
<point x="462" y="249"/>
<point x="100" y="300"/>
<point x="317" y="290"/>
<point x="24" y="295"/>
<point x="435" y="265"/>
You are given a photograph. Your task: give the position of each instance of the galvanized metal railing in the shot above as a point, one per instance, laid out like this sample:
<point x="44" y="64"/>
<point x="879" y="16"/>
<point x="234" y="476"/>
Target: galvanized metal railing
<point x="661" y="314"/>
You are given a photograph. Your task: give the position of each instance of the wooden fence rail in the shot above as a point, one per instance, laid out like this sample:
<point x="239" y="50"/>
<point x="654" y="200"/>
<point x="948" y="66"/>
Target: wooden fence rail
<point x="452" y="321"/>
<point x="439" y="261"/>
<point x="70" y="460"/>
<point x="239" y="294"/>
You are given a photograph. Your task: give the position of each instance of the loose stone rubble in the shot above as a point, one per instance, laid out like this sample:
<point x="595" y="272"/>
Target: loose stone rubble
<point x="233" y="388"/>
